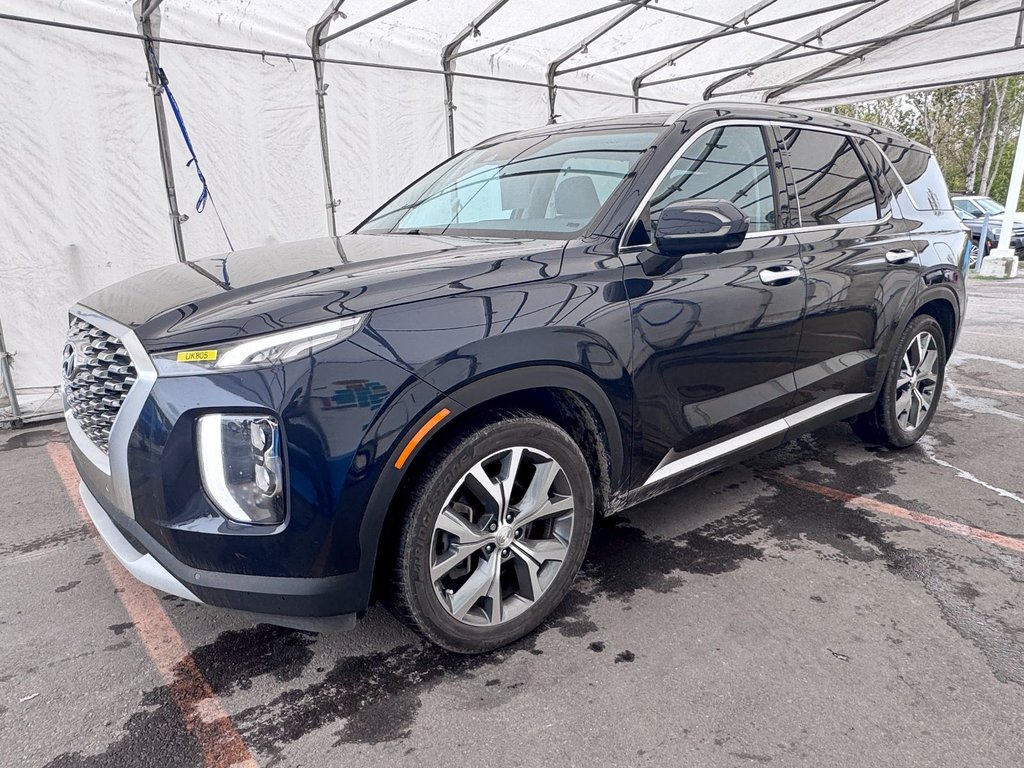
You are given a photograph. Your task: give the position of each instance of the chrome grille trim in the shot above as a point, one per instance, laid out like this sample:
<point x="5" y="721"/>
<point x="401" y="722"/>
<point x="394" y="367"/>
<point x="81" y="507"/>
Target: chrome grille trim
<point x="103" y="374"/>
<point x="114" y="482"/>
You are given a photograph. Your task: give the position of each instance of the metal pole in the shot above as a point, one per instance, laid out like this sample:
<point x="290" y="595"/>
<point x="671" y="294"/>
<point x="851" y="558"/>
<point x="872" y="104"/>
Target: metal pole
<point x="581" y="46"/>
<point x="1003" y="261"/>
<point x="316" y="46"/>
<point x="902" y="67"/>
<point x="448" y="54"/>
<point x="982" y="240"/>
<point x="673" y="57"/>
<point x="1019" y="37"/>
<point x="363" y="22"/>
<point x="8" y="381"/>
<point x="147" y="13"/>
<point x="293" y="57"/>
<point x="1013" y="196"/>
<point x="554" y="25"/>
<point x="782" y="54"/>
<point x="723" y="33"/>
<point x="921" y="23"/>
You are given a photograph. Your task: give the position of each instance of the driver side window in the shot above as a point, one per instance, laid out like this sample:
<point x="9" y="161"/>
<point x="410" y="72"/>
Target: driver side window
<point x="728" y="163"/>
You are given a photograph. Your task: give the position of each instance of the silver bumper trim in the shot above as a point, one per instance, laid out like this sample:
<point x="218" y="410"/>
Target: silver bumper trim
<point x="143" y="566"/>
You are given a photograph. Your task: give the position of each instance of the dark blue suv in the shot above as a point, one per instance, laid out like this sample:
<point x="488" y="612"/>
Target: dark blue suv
<point x="551" y="326"/>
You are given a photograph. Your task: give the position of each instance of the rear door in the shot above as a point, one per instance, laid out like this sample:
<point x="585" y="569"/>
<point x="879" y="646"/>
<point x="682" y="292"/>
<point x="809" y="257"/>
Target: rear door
<point x="859" y="262"/>
<point x="715" y="338"/>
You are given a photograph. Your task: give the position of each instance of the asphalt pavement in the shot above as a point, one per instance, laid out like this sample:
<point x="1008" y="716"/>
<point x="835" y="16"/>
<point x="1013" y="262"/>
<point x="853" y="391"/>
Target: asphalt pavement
<point x="829" y="603"/>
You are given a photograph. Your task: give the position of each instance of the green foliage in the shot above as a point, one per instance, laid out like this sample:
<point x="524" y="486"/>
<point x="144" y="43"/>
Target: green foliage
<point x="947" y="120"/>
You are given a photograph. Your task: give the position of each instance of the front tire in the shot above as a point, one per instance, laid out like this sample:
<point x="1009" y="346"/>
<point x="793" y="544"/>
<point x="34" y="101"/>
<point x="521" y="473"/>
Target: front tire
<point x="497" y="527"/>
<point x="910" y="393"/>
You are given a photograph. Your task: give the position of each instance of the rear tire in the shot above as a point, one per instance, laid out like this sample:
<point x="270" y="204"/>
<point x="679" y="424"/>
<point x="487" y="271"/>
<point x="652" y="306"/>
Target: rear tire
<point x="910" y="393"/>
<point x="497" y="527"/>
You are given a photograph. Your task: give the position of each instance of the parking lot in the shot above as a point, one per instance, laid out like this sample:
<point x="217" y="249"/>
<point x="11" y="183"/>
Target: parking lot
<point x="830" y="603"/>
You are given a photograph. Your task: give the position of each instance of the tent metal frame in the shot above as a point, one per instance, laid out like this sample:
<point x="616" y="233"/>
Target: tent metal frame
<point x="7" y="382"/>
<point x="718" y="35"/>
<point x="148" y="17"/>
<point x="319" y="36"/>
<point x="448" y="54"/>
<point x="672" y="58"/>
<point x="953" y="11"/>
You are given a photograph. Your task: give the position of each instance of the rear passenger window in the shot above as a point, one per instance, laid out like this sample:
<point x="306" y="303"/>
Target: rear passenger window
<point x="729" y="163"/>
<point x="832" y="185"/>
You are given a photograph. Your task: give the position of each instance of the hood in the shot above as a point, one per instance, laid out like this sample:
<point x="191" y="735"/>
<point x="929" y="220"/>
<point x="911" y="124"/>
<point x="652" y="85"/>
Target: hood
<point x="292" y="284"/>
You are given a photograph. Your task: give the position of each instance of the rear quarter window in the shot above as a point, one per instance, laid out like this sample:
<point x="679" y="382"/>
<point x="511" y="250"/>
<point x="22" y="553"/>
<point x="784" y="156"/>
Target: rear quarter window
<point x="921" y="174"/>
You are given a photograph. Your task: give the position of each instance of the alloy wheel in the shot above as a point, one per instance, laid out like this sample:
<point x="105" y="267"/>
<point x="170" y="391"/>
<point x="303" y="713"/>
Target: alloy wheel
<point x="501" y="536"/>
<point x="916" y="382"/>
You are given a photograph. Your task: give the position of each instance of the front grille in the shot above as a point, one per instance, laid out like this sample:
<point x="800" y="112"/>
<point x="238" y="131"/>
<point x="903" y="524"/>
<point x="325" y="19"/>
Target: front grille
<point x="98" y="372"/>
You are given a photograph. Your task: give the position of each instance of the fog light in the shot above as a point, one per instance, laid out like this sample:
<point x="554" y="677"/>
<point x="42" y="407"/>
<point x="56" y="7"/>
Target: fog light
<point x="241" y="467"/>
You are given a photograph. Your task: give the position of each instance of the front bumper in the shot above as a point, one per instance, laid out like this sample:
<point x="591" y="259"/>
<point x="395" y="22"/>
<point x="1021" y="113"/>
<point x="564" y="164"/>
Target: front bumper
<point x="142" y="565"/>
<point x="261" y="598"/>
<point x="314" y="570"/>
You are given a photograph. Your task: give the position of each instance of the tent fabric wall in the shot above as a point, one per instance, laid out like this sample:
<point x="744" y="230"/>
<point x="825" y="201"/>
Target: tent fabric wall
<point x="83" y="202"/>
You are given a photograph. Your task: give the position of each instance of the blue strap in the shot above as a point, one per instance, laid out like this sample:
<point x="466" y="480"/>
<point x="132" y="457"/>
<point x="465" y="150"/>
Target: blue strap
<point x="162" y="76"/>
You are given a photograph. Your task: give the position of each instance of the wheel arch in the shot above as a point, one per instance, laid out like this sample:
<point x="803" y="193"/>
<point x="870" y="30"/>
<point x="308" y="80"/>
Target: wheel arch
<point x="943" y="304"/>
<point x="564" y="395"/>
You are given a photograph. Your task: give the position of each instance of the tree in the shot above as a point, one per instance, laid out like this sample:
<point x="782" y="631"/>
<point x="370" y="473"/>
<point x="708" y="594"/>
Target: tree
<point x="979" y="130"/>
<point x="993" y="135"/>
<point x="965" y="126"/>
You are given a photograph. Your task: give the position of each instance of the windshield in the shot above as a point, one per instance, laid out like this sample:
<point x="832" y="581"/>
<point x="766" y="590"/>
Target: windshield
<point x="547" y="186"/>
<point x="989" y="205"/>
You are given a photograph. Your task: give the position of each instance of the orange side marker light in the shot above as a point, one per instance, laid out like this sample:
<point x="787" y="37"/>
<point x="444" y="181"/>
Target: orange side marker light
<point x="436" y="419"/>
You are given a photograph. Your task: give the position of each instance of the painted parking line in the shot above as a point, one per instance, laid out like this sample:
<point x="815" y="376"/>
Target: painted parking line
<point x="983" y="333"/>
<point x="892" y="510"/>
<point x="204" y="716"/>
<point x="975" y="388"/>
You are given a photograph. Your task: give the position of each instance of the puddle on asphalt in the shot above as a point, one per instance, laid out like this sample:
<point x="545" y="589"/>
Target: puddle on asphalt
<point x="375" y="697"/>
<point x="32" y="439"/>
<point x="55" y="539"/>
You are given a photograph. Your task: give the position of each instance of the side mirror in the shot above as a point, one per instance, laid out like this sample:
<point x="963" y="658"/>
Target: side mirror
<point x="700" y="226"/>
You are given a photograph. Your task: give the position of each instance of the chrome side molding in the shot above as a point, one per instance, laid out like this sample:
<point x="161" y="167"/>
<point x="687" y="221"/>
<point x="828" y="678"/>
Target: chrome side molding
<point x="752" y="436"/>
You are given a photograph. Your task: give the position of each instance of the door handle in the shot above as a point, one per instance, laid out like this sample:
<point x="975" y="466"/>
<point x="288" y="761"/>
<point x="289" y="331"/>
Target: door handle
<point x="779" y="275"/>
<point x="900" y="255"/>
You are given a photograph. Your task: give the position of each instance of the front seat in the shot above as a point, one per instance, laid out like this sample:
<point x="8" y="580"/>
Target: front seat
<point x="576" y="197"/>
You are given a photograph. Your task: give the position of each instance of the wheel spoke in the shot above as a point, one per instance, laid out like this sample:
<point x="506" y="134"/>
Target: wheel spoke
<point x="466" y="532"/>
<point x="541" y="551"/>
<point x="928" y="364"/>
<point x="495" y="601"/>
<point x="528" y="574"/>
<point x="546" y="508"/>
<point x="923" y="339"/>
<point x="510" y="469"/>
<point x="539" y="490"/>
<point x="455" y="556"/>
<point x="914" y="416"/>
<point x="907" y="368"/>
<point x="485" y="489"/>
<point x="924" y="398"/>
<point x="476" y="586"/>
<point x="904" y="401"/>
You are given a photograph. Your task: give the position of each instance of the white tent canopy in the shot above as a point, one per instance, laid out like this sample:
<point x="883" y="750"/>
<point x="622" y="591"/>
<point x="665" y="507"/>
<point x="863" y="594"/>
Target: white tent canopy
<point x="84" y="201"/>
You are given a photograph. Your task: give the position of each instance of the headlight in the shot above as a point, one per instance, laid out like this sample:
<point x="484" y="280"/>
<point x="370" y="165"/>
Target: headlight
<point x="241" y="466"/>
<point x="269" y="349"/>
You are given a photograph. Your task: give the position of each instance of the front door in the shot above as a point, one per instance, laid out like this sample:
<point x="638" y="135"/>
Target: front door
<point x="716" y="336"/>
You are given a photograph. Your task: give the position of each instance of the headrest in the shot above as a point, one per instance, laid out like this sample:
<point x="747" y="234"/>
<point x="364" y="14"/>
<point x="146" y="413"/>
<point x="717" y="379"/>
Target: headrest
<point x="576" y="197"/>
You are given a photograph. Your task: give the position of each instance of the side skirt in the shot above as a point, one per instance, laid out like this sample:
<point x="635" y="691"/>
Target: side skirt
<point x="774" y="429"/>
